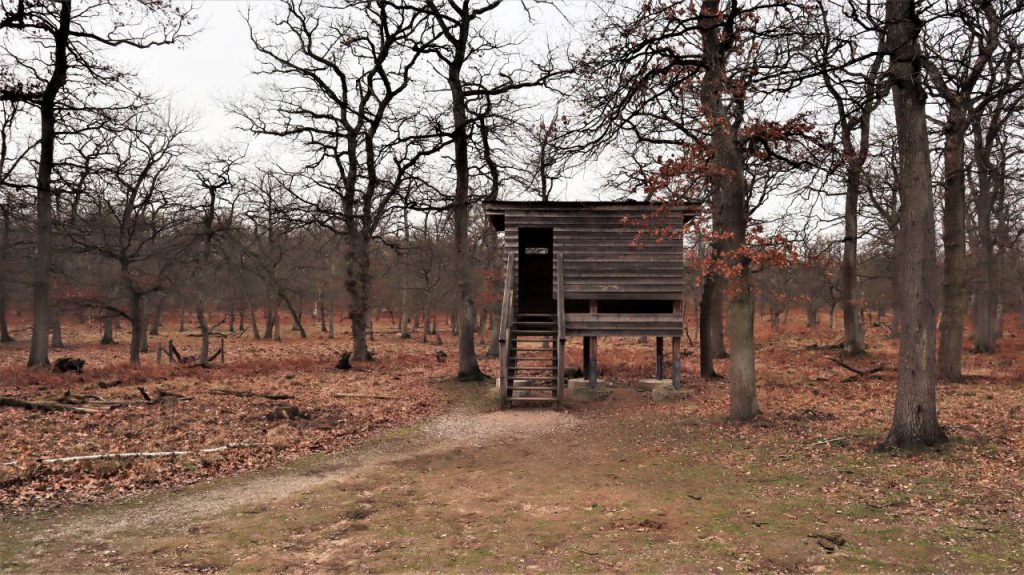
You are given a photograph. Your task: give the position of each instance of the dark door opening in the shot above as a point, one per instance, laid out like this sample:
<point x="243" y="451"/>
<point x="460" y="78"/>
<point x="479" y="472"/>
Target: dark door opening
<point x="536" y="270"/>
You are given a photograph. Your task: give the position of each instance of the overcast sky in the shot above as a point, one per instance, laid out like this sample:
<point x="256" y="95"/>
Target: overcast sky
<point x="216" y="64"/>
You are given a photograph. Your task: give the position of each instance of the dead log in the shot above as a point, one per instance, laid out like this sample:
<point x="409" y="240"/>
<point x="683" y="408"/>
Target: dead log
<point x="67" y="364"/>
<point x="109" y="384"/>
<point x="287" y="412"/>
<point x="71" y="399"/>
<point x="161" y="396"/>
<point x="274" y="396"/>
<point x="43" y="405"/>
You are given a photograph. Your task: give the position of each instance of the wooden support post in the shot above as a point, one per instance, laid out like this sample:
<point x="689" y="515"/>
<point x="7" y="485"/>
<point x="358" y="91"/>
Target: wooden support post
<point x="592" y="358"/>
<point x="593" y="361"/>
<point x="222" y="350"/>
<point x="676" y="341"/>
<point x="659" y="352"/>
<point x="586" y="357"/>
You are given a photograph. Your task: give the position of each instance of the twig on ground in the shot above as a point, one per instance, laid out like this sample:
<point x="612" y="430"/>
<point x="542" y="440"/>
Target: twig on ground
<point x="43" y="405"/>
<point x="363" y="396"/>
<point x="238" y="393"/>
<point x="136" y="454"/>
<point x="829" y="441"/>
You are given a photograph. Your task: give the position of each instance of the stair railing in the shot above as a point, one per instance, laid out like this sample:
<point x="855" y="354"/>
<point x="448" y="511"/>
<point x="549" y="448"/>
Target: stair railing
<point x="505" y="329"/>
<point x="560" y="299"/>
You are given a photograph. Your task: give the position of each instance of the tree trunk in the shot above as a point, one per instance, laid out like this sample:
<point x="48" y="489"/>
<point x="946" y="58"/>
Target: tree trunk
<point x="57" y="339"/>
<point x="270" y="314"/>
<point x="812" y="315"/>
<point x="954" y="263"/>
<point x="204" y="333"/>
<point x="330" y="323"/>
<point x="145" y="335"/>
<point x="706" y="329"/>
<point x="252" y="321"/>
<point x="718" y="350"/>
<point x="296" y="317"/>
<point x="730" y="185"/>
<point x="5" y="335"/>
<point x="853" y="330"/>
<point x="426" y="322"/>
<point x="357" y="284"/>
<point x="137" y="327"/>
<point x="154" y="326"/>
<point x="39" y="351"/>
<point x="469" y="368"/>
<point x="984" y="330"/>
<point x="108" y="331"/>
<point x="915" y="421"/>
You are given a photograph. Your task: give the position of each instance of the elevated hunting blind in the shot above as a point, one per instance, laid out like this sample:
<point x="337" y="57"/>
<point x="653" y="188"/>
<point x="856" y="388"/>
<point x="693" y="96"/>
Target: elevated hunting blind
<point x="585" y="269"/>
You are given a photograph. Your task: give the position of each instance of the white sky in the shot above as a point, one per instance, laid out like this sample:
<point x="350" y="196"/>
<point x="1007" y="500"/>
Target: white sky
<point x="216" y="64"/>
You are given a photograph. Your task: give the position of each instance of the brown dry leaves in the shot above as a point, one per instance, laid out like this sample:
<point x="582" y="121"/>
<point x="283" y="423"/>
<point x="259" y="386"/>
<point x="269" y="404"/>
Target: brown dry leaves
<point x="302" y="368"/>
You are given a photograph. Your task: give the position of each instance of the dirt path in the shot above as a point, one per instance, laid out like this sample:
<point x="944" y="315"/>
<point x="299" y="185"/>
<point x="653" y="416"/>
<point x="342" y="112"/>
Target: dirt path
<point x="24" y="540"/>
<point x="613" y="487"/>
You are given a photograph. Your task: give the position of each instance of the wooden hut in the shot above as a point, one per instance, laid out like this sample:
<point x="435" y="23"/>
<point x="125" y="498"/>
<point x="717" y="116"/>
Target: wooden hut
<point x="585" y="269"/>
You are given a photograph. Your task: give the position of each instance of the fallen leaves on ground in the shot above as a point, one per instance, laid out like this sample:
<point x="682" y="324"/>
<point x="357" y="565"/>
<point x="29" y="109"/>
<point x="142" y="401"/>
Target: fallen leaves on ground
<point x="204" y="416"/>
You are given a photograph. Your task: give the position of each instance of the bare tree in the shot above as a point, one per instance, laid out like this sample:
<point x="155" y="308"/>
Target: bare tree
<point x="915" y="421"/>
<point x="853" y="80"/>
<point x="56" y="48"/>
<point x="342" y="70"/>
<point x="133" y="214"/>
<point x="957" y="46"/>
<point x="462" y="46"/>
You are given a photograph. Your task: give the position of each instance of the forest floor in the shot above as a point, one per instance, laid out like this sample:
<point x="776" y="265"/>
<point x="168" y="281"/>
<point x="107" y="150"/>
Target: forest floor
<point x="450" y="485"/>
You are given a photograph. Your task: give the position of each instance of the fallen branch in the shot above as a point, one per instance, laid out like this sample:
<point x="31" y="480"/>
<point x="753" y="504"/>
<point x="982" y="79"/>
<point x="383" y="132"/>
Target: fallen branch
<point x="274" y="396"/>
<point x="43" y="405"/>
<point x="161" y="396"/>
<point x="136" y="454"/>
<point x="858" y="373"/>
<point x="363" y="396"/>
<point x="846" y="366"/>
<point x="829" y="441"/>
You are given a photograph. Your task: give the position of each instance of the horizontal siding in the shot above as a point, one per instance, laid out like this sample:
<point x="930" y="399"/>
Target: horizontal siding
<point x="623" y="324"/>
<point x="606" y="258"/>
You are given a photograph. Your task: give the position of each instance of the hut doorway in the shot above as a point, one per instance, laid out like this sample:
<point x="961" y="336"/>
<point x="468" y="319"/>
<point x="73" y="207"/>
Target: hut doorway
<point x="536" y="275"/>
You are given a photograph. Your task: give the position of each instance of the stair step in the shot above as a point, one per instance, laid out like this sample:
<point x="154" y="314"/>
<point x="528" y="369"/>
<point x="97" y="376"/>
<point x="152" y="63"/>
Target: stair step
<point x="532" y="368"/>
<point x="533" y="387"/>
<point x="532" y="378"/>
<point x="534" y="399"/>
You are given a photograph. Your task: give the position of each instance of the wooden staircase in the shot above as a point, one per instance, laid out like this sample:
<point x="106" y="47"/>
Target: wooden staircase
<point x="532" y="350"/>
<point x="533" y="360"/>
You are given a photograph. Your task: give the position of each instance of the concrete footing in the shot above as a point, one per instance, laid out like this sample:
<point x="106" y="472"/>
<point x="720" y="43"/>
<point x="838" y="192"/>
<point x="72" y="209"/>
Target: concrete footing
<point x="664" y="393"/>
<point x="579" y="390"/>
<point x="651" y="384"/>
